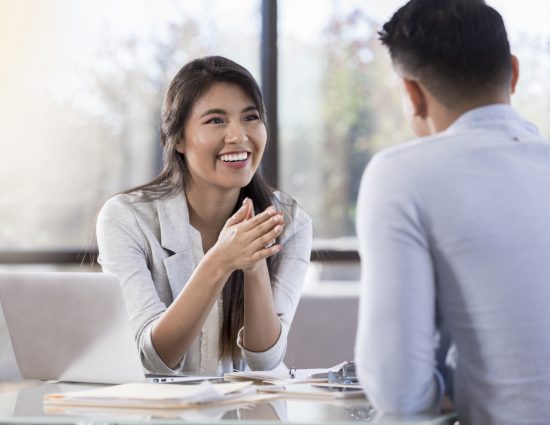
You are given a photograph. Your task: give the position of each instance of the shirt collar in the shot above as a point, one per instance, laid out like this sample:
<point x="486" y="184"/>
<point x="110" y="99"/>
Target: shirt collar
<point x="494" y="117"/>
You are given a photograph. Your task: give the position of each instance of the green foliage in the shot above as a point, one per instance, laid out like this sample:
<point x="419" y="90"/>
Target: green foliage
<point x="361" y="114"/>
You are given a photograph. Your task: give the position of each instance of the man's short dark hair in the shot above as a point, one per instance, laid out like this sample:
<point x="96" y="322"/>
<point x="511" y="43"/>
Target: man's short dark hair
<point x="458" y="49"/>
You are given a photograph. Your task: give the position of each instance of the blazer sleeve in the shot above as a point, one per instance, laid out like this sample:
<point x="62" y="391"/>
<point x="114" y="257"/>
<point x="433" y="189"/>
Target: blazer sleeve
<point x="123" y="253"/>
<point x="287" y="280"/>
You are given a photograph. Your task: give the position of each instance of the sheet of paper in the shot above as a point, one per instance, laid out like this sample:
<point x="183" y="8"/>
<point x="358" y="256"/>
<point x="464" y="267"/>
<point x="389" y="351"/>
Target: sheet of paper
<point x="202" y="412"/>
<point x="154" y="395"/>
<point x="310" y="391"/>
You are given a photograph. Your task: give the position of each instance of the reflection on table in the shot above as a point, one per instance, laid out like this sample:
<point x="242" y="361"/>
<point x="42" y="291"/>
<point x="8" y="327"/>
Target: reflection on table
<point x="23" y="402"/>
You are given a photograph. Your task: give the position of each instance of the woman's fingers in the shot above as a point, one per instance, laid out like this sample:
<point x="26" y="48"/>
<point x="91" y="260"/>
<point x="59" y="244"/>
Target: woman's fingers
<point x="256" y="237"/>
<point x="258" y="219"/>
<point x="251" y="212"/>
<point x="267" y="239"/>
<point x="248" y="238"/>
<point x="266" y="252"/>
<point x="242" y="213"/>
<point x="268" y="225"/>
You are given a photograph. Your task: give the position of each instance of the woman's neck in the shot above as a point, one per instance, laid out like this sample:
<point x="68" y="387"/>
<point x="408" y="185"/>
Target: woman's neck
<point x="210" y="209"/>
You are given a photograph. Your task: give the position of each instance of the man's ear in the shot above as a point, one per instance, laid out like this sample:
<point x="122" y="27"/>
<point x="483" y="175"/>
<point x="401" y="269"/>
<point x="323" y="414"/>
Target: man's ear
<point x="515" y="73"/>
<point x="417" y="98"/>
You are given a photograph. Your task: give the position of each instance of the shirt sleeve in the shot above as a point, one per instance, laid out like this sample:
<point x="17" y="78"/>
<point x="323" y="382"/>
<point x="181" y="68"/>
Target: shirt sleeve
<point x="122" y="253"/>
<point x="287" y="280"/>
<point x="396" y="338"/>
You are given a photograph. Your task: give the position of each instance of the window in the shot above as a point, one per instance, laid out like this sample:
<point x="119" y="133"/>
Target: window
<point x="340" y="101"/>
<point x="81" y="91"/>
<point x="82" y="83"/>
<point x="337" y="111"/>
<point x="529" y="34"/>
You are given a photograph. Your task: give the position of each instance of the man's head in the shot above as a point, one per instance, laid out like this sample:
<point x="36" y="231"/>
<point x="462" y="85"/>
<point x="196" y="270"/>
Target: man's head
<point x="457" y="50"/>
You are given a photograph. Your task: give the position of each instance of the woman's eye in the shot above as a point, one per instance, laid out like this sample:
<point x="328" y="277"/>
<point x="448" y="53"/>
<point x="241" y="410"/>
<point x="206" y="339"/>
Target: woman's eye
<point x="252" y="117"/>
<point x="214" y="121"/>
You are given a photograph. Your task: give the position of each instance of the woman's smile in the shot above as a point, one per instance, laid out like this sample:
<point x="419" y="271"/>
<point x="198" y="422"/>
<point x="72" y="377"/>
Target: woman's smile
<point x="235" y="159"/>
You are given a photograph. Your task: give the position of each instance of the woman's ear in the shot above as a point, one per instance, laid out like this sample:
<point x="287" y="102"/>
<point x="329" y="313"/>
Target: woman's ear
<point x="417" y="98"/>
<point x="180" y="147"/>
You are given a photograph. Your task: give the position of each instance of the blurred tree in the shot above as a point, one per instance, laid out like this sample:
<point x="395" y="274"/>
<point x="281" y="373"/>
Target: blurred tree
<point x="130" y="86"/>
<point x="96" y="122"/>
<point x="361" y="114"/>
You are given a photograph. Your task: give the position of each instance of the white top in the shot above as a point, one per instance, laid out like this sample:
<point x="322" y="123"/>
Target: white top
<point x="210" y="332"/>
<point x="152" y="249"/>
<point x="454" y="235"/>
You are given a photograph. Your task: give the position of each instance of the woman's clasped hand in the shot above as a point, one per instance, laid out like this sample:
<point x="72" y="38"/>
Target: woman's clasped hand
<point x="247" y="239"/>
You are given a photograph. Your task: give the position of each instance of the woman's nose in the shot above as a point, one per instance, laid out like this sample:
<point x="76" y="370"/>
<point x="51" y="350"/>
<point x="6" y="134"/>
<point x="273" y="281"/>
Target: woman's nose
<point x="236" y="134"/>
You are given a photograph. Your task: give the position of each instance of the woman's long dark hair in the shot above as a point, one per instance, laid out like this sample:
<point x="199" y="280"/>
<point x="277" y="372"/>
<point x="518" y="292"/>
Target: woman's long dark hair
<point x="190" y="83"/>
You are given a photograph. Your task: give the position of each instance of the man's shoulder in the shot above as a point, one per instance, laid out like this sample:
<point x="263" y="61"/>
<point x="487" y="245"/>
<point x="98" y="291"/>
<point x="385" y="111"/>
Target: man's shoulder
<point x="412" y="156"/>
<point x="417" y="148"/>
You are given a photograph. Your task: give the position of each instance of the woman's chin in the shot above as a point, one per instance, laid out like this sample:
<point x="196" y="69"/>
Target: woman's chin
<point x="236" y="183"/>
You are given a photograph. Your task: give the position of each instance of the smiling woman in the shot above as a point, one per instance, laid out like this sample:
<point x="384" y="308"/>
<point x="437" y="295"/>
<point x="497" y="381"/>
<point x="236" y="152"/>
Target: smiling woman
<point x="211" y="260"/>
<point x="224" y="138"/>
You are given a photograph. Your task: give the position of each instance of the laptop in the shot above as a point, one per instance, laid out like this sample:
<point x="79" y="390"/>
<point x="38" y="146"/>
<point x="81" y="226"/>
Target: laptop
<point x="72" y="327"/>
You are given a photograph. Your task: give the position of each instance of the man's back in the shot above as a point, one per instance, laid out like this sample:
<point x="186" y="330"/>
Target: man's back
<point x="470" y="214"/>
<point x="454" y="229"/>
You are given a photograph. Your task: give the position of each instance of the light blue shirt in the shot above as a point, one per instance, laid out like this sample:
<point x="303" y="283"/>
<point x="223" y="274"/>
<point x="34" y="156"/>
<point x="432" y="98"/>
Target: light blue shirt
<point x="454" y="233"/>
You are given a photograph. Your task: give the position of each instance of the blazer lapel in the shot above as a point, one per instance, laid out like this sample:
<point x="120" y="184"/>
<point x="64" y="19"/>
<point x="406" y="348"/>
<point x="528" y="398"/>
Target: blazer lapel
<point x="175" y="237"/>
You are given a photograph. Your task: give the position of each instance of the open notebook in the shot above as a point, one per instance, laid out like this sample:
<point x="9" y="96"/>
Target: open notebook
<point x="71" y="327"/>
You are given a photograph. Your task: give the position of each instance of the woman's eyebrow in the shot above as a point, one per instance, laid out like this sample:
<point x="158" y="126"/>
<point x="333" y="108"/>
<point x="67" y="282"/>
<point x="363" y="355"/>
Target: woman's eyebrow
<point x="224" y="112"/>
<point x="213" y="111"/>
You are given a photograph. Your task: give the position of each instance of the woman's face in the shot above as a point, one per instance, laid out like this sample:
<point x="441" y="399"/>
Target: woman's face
<point x="224" y="138"/>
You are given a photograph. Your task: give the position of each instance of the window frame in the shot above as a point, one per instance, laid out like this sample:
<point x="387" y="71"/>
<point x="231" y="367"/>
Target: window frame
<point x="269" y="84"/>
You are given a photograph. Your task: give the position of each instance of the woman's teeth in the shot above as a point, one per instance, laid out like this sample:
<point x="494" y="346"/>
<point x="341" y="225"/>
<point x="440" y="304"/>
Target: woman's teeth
<point x="234" y="157"/>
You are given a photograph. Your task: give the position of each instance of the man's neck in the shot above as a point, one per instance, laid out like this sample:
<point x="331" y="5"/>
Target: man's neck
<point x="442" y="117"/>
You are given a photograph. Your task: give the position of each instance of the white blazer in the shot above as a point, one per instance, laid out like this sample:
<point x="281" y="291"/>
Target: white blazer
<point x="148" y="246"/>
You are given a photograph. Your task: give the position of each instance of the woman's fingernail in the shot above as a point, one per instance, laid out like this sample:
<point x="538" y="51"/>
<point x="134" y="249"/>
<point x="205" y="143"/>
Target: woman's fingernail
<point x="244" y="201"/>
<point x="271" y="210"/>
<point x="278" y="218"/>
